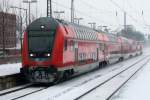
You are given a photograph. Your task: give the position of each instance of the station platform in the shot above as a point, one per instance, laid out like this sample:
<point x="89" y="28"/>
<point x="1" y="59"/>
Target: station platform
<point x="9" y="69"/>
<point x="10" y="76"/>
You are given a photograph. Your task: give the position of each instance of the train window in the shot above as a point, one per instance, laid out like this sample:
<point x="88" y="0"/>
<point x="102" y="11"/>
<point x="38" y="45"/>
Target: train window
<point x="65" y="44"/>
<point x="88" y="35"/>
<point x="78" y="34"/>
<point x="84" y="35"/>
<point x="112" y="38"/>
<point x="72" y="45"/>
<point x="101" y="46"/>
<point x="66" y="29"/>
<point x="93" y="36"/>
<point x="75" y="44"/>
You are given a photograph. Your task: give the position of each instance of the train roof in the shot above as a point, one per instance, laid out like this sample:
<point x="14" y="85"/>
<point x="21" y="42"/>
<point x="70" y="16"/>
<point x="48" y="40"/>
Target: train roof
<point x="46" y="22"/>
<point x="82" y="32"/>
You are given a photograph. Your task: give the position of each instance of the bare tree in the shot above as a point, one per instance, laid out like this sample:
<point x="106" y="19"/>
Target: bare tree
<point x="4" y="5"/>
<point x="0" y="7"/>
<point x="33" y="17"/>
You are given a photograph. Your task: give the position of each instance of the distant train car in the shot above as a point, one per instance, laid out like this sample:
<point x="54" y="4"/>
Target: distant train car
<point x="54" y="50"/>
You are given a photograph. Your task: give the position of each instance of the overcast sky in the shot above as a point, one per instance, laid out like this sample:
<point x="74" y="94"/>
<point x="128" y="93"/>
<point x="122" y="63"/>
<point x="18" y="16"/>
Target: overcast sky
<point x="103" y="12"/>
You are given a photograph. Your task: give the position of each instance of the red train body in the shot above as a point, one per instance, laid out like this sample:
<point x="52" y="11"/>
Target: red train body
<point x="54" y="49"/>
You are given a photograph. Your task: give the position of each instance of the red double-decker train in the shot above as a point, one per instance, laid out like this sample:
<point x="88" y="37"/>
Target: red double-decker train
<point x="54" y="49"/>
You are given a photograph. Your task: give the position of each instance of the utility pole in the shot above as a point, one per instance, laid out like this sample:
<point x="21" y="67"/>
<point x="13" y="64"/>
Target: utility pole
<point x="59" y="13"/>
<point x="125" y="24"/>
<point x="3" y="30"/>
<point x="78" y="20"/>
<point x="49" y="8"/>
<point x="72" y="11"/>
<point x="29" y="2"/>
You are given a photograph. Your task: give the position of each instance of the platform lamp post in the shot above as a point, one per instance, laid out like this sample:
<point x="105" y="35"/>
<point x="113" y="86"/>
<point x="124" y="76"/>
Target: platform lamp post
<point x="59" y="13"/>
<point x="102" y="28"/>
<point x="78" y="20"/>
<point x="93" y="25"/>
<point x="106" y="28"/>
<point x="29" y="2"/>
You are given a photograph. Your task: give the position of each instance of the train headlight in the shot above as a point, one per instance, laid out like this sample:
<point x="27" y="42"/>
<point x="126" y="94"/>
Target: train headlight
<point x="42" y="26"/>
<point x="48" y="55"/>
<point x="31" y="55"/>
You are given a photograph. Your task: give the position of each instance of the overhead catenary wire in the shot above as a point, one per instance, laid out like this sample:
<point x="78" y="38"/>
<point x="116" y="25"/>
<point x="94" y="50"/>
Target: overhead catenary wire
<point x="80" y="12"/>
<point x="101" y="11"/>
<point x="141" y="15"/>
<point x="135" y="20"/>
<point x="95" y="8"/>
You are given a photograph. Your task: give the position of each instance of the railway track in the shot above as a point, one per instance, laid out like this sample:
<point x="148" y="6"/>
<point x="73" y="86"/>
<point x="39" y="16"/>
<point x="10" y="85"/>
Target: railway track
<point x="78" y="88"/>
<point x="108" y="88"/>
<point x="8" y="91"/>
<point x="29" y="90"/>
<point x="21" y="92"/>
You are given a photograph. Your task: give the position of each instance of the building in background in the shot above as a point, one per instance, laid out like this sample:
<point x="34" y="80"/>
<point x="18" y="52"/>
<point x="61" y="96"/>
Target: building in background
<point x="7" y="31"/>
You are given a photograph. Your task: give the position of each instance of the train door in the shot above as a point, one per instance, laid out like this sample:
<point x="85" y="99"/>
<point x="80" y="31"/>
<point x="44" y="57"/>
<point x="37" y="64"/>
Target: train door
<point x="97" y="53"/>
<point x="76" y="52"/>
<point x="105" y="51"/>
<point x="102" y="50"/>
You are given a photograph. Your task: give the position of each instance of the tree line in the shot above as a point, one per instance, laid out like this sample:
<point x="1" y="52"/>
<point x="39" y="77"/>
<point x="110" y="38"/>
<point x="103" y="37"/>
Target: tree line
<point x="131" y="33"/>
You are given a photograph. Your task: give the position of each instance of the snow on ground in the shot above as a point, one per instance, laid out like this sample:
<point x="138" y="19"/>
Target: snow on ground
<point x="146" y="51"/>
<point x="138" y="88"/>
<point x="9" y="69"/>
<point x="72" y="88"/>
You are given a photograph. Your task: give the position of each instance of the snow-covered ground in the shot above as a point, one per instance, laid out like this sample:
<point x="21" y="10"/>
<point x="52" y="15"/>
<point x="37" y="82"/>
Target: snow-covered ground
<point x="138" y="88"/>
<point x="68" y="90"/>
<point x="71" y="89"/>
<point x="9" y="69"/>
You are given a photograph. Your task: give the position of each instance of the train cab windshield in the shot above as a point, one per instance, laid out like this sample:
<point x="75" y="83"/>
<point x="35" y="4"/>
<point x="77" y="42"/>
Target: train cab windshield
<point x="40" y="41"/>
<point x="41" y="34"/>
